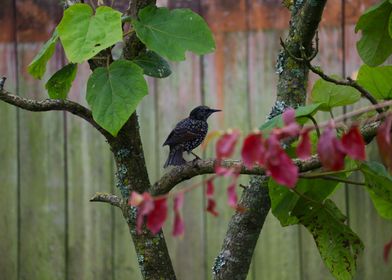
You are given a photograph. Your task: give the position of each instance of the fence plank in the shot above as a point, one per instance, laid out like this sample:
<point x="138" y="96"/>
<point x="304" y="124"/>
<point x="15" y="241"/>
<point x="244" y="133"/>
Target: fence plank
<point x="330" y="57"/>
<point x="177" y="96"/>
<point x="8" y="170"/>
<point x="225" y="88"/>
<point x="90" y="225"/>
<point x="363" y="218"/>
<point x="42" y="200"/>
<point x="272" y="260"/>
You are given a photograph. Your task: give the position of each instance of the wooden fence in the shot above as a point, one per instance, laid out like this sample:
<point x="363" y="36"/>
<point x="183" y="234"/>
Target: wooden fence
<point x="51" y="163"/>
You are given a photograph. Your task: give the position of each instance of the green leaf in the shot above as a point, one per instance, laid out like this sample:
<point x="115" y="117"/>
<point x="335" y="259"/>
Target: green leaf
<point x="60" y="83"/>
<point x="332" y="95"/>
<point x="338" y="245"/>
<point x="153" y="64"/>
<point x="284" y="201"/>
<point x="375" y="46"/>
<point x="83" y="34"/>
<point x="114" y="93"/>
<point x="37" y="67"/>
<point x="172" y="33"/>
<point x="377" y="80"/>
<point x="300" y="114"/>
<point x="379" y="186"/>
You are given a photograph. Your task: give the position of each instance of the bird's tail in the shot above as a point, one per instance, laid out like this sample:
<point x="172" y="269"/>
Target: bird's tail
<point x="175" y="158"/>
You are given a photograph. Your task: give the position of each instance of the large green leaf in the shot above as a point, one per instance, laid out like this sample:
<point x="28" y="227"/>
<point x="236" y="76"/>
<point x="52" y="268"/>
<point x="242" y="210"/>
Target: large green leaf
<point x="114" y="93"/>
<point x="60" y="83"/>
<point x="300" y="114"/>
<point x="338" y="245"/>
<point x="172" y="33"/>
<point x="284" y="201"/>
<point x="37" y="67"/>
<point x="332" y="95"/>
<point x="375" y="46"/>
<point x="377" y="80"/>
<point x="83" y="34"/>
<point x="379" y="186"/>
<point x="153" y="64"/>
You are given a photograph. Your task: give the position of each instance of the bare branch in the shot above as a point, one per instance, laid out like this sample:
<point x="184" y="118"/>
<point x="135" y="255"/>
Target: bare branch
<point x="108" y="198"/>
<point x="349" y="82"/>
<point x="53" y="105"/>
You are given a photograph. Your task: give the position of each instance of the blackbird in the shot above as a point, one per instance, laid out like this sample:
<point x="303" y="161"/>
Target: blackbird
<point x="188" y="134"/>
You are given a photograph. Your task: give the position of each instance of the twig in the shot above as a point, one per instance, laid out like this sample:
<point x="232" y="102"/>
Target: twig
<point x="108" y="198"/>
<point x="315" y="124"/>
<point x="349" y="82"/>
<point x="342" y="180"/>
<point x="53" y="105"/>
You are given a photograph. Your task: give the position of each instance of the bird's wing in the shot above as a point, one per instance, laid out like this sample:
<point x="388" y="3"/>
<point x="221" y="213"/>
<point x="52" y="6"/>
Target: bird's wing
<point x="180" y="134"/>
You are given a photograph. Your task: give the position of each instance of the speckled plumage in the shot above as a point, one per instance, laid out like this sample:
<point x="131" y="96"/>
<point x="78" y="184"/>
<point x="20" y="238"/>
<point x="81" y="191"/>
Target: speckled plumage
<point x="188" y="134"/>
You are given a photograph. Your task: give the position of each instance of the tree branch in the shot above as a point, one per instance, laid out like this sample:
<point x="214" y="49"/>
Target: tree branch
<point x="198" y="167"/>
<point x="53" y="105"/>
<point x="349" y="82"/>
<point x="243" y="231"/>
<point x="108" y="198"/>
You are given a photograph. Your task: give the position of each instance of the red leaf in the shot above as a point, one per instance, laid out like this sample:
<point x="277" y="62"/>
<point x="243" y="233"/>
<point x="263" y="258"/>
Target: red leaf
<point x="135" y="199"/>
<point x="145" y="205"/>
<point x="210" y="188"/>
<point x="331" y="150"/>
<point x="387" y="250"/>
<point x="279" y="165"/>
<point x="232" y="195"/>
<point x="353" y="143"/>
<point x="157" y="217"/>
<point x="288" y="116"/>
<point x="253" y="150"/>
<point x="226" y="144"/>
<point x="211" y="204"/>
<point x="304" y="148"/>
<point x="178" y="226"/>
<point x="384" y="142"/>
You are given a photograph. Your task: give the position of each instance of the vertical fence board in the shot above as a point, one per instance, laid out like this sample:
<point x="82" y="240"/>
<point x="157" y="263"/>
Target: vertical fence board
<point x="226" y="89"/>
<point x="271" y="259"/>
<point x="89" y="171"/>
<point x="364" y="220"/>
<point x="177" y="96"/>
<point x="8" y="170"/>
<point x="42" y="224"/>
<point x="330" y="57"/>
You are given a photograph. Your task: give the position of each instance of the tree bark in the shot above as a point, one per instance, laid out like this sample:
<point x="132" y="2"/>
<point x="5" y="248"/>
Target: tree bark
<point x="152" y="254"/>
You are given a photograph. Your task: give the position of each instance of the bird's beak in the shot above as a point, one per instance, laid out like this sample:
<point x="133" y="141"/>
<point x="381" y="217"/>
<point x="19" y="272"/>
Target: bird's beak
<point x="214" y="110"/>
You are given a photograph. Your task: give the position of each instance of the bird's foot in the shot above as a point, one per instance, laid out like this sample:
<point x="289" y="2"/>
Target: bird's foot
<point x="196" y="156"/>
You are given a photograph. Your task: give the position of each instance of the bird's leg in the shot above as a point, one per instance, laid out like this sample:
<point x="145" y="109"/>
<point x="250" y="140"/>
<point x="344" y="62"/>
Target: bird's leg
<point x="197" y="157"/>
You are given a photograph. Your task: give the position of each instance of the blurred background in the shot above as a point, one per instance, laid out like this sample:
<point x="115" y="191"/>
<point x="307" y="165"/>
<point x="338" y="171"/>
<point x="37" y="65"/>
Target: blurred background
<point x="52" y="163"/>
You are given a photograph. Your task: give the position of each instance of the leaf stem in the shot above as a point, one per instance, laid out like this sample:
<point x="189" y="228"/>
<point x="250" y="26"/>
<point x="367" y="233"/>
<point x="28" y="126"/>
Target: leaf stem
<point x="342" y="180"/>
<point x="323" y="174"/>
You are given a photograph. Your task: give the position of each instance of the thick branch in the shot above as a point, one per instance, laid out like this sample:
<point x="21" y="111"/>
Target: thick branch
<point x="243" y="231"/>
<point x="292" y="85"/>
<point x="53" y="105"/>
<point x="108" y="198"/>
<point x="293" y="75"/>
<point x="201" y="167"/>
